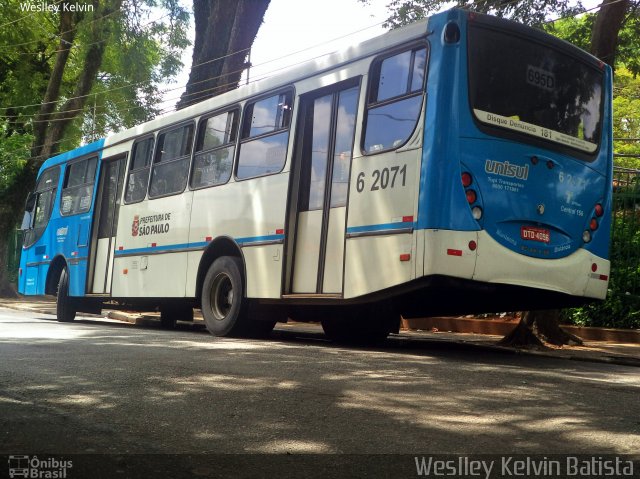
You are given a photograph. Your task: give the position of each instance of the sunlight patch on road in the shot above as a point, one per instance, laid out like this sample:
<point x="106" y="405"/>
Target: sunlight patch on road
<point x="292" y="446"/>
<point x="231" y="383"/>
<point x="4" y="399"/>
<point x="42" y="333"/>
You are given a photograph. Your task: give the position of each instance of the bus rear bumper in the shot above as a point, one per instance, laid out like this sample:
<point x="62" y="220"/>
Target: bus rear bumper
<point x="581" y="274"/>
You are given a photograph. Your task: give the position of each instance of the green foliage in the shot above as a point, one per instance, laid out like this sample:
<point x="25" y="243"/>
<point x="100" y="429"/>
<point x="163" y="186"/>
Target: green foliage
<point x="142" y="50"/>
<point x="14" y="151"/>
<point x="626" y="118"/>
<point x="529" y="12"/>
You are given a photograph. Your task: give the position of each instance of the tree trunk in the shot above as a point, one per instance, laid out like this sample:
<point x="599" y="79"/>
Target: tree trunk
<point x="537" y="328"/>
<point x="225" y="32"/>
<point x="72" y="108"/>
<point x="609" y="22"/>
<point x="41" y="119"/>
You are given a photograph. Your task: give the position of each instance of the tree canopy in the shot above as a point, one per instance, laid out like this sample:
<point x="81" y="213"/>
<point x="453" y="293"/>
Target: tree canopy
<point x="71" y="73"/>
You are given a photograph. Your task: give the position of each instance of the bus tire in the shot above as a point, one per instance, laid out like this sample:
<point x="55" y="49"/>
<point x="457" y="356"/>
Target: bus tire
<point x="171" y="313"/>
<point x="224" y="306"/>
<point x="65" y="305"/>
<point x="368" y="325"/>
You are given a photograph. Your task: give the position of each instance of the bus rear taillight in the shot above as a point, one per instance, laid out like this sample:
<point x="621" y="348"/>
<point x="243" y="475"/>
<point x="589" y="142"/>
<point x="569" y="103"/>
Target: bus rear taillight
<point x="598" y="210"/>
<point x="466" y="180"/>
<point x="471" y="196"/>
<point x="593" y="224"/>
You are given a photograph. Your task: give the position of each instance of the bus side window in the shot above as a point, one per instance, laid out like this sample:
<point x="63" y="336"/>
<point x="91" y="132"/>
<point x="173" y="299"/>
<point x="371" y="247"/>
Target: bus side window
<point x="265" y="136"/>
<point x="77" y="190"/>
<point x="213" y="159"/>
<point x="171" y="162"/>
<point x="139" y="171"/>
<point x="395" y="99"/>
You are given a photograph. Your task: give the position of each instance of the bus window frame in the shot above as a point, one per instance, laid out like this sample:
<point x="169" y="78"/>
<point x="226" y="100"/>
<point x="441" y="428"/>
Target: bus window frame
<point x="65" y="179"/>
<point x="189" y="122"/>
<point x="373" y="84"/>
<point x="36" y="196"/>
<point x="202" y="121"/>
<point x="241" y="140"/>
<point x="130" y="170"/>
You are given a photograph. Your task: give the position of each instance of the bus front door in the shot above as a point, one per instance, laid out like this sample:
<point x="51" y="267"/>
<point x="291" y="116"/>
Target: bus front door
<point x="323" y="163"/>
<point x="105" y="224"/>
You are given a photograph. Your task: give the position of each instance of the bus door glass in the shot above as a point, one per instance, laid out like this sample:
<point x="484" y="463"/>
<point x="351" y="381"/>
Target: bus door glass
<point x="106" y="222"/>
<point x="325" y="164"/>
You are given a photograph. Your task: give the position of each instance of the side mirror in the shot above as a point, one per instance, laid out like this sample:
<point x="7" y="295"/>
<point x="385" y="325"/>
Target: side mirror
<point x="26" y="221"/>
<point x="28" y="212"/>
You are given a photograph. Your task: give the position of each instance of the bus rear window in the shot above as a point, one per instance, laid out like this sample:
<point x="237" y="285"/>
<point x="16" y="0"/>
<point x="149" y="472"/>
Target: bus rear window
<point x="528" y="88"/>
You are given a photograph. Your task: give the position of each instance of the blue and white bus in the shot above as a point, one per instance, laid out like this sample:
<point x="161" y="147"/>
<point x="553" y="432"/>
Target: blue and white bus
<point x="460" y="164"/>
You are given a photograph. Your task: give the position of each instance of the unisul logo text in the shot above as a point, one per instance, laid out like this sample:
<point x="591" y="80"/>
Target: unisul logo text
<point x="506" y="169"/>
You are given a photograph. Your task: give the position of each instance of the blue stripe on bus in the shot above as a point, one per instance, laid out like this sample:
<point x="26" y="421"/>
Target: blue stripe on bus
<point x="196" y="246"/>
<point x="382" y="227"/>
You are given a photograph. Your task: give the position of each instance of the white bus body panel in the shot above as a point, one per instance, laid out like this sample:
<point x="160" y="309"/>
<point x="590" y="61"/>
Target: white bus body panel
<point x="373" y="262"/>
<point x="148" y="233"/>
<point x="250" y="212"/>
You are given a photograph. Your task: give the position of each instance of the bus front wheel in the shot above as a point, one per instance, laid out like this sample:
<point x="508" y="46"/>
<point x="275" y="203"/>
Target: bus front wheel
<point x="224" y="306"/>
<point x="65" y="305"/>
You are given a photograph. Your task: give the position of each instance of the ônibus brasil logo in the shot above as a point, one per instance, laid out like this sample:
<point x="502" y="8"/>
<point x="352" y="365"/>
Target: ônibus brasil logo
<point x="32" y="467"/>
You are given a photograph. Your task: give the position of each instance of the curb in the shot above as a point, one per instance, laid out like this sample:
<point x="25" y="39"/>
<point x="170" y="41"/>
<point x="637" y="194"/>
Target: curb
<point x="594" y="357"/>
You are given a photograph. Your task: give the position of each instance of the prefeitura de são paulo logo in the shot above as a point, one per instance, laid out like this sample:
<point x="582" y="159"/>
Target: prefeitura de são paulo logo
<point x="135" y="226"/>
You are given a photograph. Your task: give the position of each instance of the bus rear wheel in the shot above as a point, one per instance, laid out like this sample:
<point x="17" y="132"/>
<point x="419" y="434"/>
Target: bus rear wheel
<point x="65" y="305"/>
<point x="367" y="325"/>
<point x="171" y="313"/>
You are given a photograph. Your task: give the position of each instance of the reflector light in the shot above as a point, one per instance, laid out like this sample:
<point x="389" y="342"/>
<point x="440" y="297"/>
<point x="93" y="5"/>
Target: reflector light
<point x="471" y="196"/>
<point x="593" y="224"/>
<point x="405" y="257"/>
<point x="454" y="252"/>
<point x="280" y="231"/>
<point x="208" y="238"/>
<point x="407" y="219"/>
<point x="473" y="245"/>
<point x="604" y="277"/>
<point x="594" y="267"/>
<point x="120" y="248"/>
<point x="125" y="271"/>
<point x="153" y="245"/>
<point x="476" y="211"/>
<point x="599" y="210"/>
<point x="466" y="179"/>
<point x="586" y="236"/>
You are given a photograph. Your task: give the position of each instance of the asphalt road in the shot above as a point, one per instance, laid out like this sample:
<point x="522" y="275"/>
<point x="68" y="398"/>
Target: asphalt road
<point x="229" y="407"/>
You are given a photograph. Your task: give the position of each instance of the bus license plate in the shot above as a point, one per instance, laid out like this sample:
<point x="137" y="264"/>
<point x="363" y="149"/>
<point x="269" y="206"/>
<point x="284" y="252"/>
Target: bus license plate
<point x="535" y="234"/>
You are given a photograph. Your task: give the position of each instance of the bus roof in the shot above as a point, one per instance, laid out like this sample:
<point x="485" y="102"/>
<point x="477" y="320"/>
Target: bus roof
<point x="304" y="70"/>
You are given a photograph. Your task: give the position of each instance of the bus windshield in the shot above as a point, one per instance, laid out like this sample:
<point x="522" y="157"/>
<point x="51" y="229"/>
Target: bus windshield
<point x="530" y="88"/>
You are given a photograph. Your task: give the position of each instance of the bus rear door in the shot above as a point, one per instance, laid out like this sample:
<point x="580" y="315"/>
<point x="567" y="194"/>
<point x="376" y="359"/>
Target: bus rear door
<point x="324" y="162"/>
